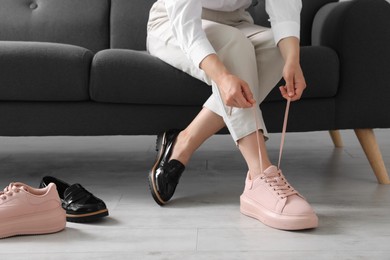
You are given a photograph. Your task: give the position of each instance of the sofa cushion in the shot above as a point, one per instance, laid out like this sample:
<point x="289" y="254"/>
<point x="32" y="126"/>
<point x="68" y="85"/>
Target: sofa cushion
<point x="320" y="67"/>
<point x="34" y="71"/>
<point x="136" y="77"/>
<point x="127" y="76"/>
<point x="83" y="23"/>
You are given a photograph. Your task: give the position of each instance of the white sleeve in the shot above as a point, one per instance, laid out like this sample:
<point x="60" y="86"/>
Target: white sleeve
<point x="186" y="22"/>
<point x="285" y="16"/>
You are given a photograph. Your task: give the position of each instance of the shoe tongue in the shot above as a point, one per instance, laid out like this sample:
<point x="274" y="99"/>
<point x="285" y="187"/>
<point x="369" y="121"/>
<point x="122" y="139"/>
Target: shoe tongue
<point x="270" y="170"/>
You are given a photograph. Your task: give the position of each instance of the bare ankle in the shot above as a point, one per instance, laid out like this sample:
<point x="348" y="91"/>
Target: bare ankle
<point x="256" y="171"/>
<point x="180" y="149"/>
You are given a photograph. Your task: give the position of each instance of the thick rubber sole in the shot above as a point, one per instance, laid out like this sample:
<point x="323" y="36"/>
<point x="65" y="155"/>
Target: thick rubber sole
<point x="284" y="222"/>
<point x="44" y="222"/>
<point x="87" y="217"/>
<point x="160" y="143"/>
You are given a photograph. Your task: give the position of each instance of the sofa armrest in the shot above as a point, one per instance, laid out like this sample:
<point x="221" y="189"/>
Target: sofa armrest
<point x="326" y="23"/>
<point x="359" y="32"/>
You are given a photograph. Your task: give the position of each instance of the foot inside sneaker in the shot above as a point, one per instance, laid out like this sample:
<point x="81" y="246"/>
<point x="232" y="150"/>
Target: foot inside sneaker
<point x="28" y="211"/>
<point x="272" y="200"/>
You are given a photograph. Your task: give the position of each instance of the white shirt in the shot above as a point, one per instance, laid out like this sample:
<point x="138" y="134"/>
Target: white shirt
<point x="185" y="17"/>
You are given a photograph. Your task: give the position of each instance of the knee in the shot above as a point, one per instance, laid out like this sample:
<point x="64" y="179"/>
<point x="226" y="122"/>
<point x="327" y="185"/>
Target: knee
<point x="264" y="40"/>
<point x="236" y="46"/>
<point x="238" y="41"/>
<point x="230" y="40"/>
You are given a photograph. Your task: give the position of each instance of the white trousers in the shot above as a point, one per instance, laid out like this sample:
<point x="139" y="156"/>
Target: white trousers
<point x="247" y="50"/>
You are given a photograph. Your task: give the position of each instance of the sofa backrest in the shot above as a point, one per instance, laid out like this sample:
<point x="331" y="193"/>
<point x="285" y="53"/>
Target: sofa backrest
<point x="128" y="23"/>
<point x="83" y="23"/>
<point x="102" y="24"/>
<point x="129" y="18"/>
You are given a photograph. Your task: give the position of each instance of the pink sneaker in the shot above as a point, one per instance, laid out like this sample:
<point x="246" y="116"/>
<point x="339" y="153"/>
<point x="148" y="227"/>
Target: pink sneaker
<point x="26" y="211"/>
<point x="271" y="199"/>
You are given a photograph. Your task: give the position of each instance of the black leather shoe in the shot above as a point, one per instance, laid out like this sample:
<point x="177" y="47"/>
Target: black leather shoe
<point x="165" y="174"/>
<point x="80" y="205"/>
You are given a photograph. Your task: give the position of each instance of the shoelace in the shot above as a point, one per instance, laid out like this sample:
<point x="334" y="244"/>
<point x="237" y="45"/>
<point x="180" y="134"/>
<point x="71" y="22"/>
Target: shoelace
<point x="279" y="184"/>
<point x="10" y="190"/>
<point x="276" y="180"/>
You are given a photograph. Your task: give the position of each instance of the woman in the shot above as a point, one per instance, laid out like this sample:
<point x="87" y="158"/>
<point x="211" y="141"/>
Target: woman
<point x="217" y="42"/>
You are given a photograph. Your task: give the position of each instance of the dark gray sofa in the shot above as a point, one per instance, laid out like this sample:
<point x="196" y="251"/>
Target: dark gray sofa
<point x="79" y="67"/>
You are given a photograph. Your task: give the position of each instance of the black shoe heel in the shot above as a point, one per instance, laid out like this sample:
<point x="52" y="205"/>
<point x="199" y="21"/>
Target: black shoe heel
<point x="159" y="142"/>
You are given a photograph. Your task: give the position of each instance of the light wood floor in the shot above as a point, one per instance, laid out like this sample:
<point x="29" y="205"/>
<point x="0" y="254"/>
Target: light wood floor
<point x="203" y="220"/>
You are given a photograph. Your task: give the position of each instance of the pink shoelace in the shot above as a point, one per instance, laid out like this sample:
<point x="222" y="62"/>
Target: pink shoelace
<point x="276" y="179"/>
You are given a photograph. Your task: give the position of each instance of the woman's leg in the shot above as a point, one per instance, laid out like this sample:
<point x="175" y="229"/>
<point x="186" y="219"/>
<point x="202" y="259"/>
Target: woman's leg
<point x="205" y="124"/>
<point x="250" y="151"/>
<point x="238" y="53"/>
<point x="175" y="148"/>
<point x="269" y="64"/>
<point x="268" y="196"/>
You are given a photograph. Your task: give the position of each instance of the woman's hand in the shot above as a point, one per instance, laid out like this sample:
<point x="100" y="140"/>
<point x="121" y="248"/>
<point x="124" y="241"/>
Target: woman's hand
<point x="234" y="91"/>
<point x="295" y="81"/>
<point x="292" y="71"/>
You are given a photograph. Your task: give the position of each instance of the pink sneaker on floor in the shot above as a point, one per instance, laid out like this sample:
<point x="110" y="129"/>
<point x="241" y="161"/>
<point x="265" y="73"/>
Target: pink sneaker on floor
<point x="271" y="199"/>
<point x="27" y="211"/>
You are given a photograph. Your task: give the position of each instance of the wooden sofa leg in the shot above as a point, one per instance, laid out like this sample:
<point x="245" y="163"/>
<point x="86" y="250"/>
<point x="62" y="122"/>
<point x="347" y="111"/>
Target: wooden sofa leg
<point x="371" y="149"/>
<point x="336" y="138"/>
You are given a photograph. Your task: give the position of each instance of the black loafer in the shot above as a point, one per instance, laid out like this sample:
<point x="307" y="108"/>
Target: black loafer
<point x="165" y="174"/>
<point x="80" y="205"/>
